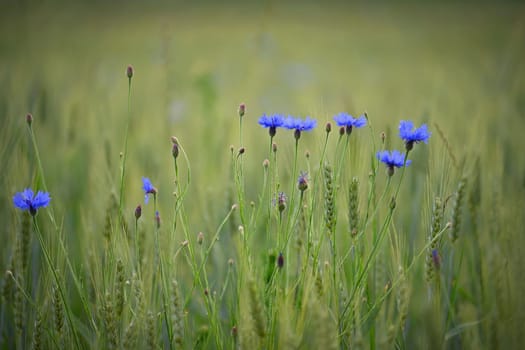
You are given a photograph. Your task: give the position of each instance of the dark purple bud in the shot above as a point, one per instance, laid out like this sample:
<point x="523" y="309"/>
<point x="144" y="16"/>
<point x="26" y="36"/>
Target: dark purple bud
<point x="328" y="127"/>
<point x="297" y="134"/>
<point x="129" y="71"/>
<point x="138" y="212"/>
<point x="242" y="109"/>
<point x="29" y="119"/>
<point x="280" y="261"/>
<point x="341" y="131"/>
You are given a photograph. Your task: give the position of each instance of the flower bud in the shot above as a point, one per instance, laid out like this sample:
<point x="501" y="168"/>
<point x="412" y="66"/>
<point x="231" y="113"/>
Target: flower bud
<point x="138" y="212"/>
<point x="29" y="119"/>
<point x="302" y="181"/>
<point x="242" y="109"/>
<point x="281" y="202"/>
<point x="175" y="150"/>
<point x="280" y="261"/>
<point x="129" y="71"/>
<point x="328" y="127"/>
<point x="200" y="237"/>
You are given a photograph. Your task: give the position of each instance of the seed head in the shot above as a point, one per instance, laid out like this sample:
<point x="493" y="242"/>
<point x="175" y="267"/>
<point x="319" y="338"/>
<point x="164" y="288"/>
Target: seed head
<point x="266" y="163"/>
<point x="200" y="237"/>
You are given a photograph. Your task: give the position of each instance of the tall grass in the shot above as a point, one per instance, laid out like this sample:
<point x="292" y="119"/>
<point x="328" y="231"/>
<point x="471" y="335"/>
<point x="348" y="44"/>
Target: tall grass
<point x="252" y="241"/>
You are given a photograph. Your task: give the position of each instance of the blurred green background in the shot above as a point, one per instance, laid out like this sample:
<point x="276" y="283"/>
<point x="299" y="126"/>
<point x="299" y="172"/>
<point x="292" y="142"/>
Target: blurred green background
<point x="459" y="67"/>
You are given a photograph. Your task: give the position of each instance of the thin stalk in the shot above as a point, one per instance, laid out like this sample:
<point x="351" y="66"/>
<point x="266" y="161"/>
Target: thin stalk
<point x="57" y="281"/>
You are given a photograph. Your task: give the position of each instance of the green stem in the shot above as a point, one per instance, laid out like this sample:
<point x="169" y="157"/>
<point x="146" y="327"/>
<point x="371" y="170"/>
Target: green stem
<point x="57" y="281"/>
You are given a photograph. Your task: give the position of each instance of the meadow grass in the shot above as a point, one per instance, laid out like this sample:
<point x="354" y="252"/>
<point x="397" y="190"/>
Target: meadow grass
<point x="251" y="240"/>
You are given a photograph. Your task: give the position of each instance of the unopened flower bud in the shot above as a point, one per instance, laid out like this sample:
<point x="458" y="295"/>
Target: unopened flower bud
<point x="281" y="202"/>
<point x="341" y="131"/>
<point x="302" y="181"/>
<point x="138" y="212"/>
<point x="200" y="237"/>
<point x="231" y="261"/>
<point x="242" y="109"/>
<point x="383" y="137"/>
<point x="328" y="127"/>
<point x="29" y="119"/>
<point x="129" y="71"/>
<point x="274" y="147"/>
<point x="266" y="163"/>
<point x="242" y="150"/>
<point x="280" y="261"/>
<point x="175" y="150"/>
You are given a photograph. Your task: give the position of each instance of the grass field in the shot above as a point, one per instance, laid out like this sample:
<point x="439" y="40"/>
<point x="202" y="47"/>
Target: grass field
<point x="429" y="257"/>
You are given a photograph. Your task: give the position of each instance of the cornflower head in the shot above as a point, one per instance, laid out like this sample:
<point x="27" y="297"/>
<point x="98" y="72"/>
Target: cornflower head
<point x="345" y="120"/>
<point x="272" y="122"/>
<point x="302" y="181"/>
<point x="148" y="189"/>
<point x="298" y="125"/>
<point x="392" y="159"/>
<point x="411" y="135"/>
<point x="27" y="200"/>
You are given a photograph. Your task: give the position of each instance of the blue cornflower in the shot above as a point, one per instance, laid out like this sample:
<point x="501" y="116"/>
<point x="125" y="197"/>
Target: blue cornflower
<point x="272" y="122"/>
<point x="299" y="125"/>
<point x="148" y="188"/>
<point x="411" y="135"/>
<point x="26" y="200"/>
<point x="348" y="122"/>
<point x="392" y="159"/>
